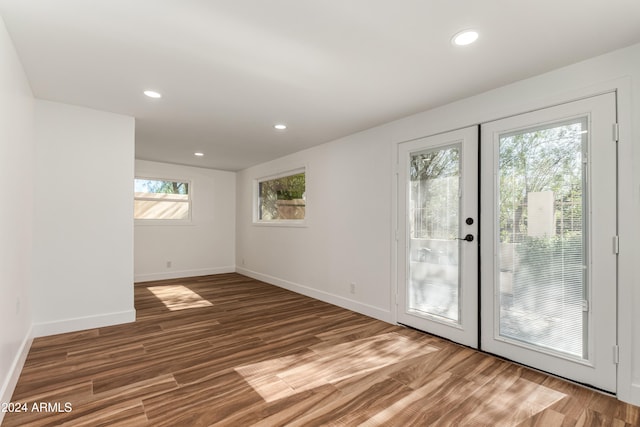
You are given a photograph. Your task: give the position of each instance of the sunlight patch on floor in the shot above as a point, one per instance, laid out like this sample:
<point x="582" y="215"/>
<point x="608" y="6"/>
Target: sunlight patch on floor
<point x="327" y="364"/>
<point x="505" y="408"/>
<point x="178" y="297"/>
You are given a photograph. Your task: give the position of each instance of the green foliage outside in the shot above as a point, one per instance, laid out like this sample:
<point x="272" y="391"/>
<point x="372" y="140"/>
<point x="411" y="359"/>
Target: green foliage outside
<point x="541" y="160"/>
<point x="434" y="193"/>
<point x="548" y="278"/>
<point x="286" y="188"/>
<point x="435" y="164"/>
<point x="163" y="187"/>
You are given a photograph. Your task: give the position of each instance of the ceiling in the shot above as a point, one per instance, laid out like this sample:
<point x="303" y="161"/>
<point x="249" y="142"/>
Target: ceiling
<point x="229" y="70"/>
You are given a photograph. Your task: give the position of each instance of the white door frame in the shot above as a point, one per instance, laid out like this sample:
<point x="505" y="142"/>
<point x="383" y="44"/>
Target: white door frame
<point x="599" y="369"/>
<point x="620" y="90"/>
<point x="466" y="330"/>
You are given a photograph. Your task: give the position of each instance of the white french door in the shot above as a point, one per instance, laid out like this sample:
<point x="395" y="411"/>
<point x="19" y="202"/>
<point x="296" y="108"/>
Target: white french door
<point x="548" y="230"/>
<point x="438" y="208"/>
<point x="548" y="278"/>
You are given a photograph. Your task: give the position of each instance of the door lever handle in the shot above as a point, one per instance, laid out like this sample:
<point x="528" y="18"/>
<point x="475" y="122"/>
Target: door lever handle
<point x="468" y="238"/>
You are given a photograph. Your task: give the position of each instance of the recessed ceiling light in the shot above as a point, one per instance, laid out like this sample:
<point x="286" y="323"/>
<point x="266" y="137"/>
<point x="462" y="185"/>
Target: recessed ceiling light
<point x="464" y="38"/>
<point x="198" y="154"/>
<point x="152" y="94"/>
<point x="280" y="126"/>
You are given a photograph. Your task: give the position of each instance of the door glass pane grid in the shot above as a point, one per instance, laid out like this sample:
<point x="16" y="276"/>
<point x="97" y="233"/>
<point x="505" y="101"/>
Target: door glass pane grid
<point x="434" y="206"/>
<point x="542" y="242"/>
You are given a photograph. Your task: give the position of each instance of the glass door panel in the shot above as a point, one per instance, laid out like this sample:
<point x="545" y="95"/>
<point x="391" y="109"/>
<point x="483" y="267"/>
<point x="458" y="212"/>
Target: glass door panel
<point x="542" y="234"/>
<point x="548" y="273"/>
<point x="434" y="207"/>
<point x="437" y="280"/>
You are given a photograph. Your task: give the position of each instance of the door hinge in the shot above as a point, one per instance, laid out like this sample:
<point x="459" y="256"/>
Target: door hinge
<point x="397" y="235"/>
<point x="396" y="169"/>
<point x="616" y="354"/>
<point x="616" y="132"/>
<point x="585" y="305"/>
<point x="616" y="245"/>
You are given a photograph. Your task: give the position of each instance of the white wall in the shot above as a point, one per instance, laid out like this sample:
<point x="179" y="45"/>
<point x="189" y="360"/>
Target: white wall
<point x="83" y="228"/>
<point x="207" y="244"/>
<point x="346" y="238"/>
<point x="351" y="193"/>
<point x="16" y="173"/>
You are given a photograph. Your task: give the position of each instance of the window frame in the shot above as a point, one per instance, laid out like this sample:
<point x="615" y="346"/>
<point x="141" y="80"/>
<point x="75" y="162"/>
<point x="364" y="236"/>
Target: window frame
<point x="164" y="221"/>
<point x="280" y="222"/>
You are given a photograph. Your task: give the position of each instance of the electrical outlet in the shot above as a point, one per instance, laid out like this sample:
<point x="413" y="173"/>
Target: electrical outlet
<point x="243" y="262"/>
<point x="352" y="288"/>
<point x="168" y="264"/>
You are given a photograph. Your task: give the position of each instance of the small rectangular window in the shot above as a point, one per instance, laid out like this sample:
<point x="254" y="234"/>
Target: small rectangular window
<point x="282" y="198"/>
<point x="159" y="199"/>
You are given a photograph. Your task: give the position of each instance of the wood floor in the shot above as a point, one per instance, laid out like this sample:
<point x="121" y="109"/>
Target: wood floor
<point x="228" y="350"/>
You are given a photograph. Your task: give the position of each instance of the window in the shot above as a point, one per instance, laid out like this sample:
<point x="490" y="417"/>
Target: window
<point x="159" y="199"/>
<point x="281" y="198"/>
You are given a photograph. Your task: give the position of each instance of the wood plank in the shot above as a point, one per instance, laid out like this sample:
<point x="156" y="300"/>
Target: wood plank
<point x="261" y="355"/>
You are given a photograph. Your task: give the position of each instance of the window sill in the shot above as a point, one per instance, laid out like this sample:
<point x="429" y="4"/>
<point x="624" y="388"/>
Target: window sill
<point x="282" y="223"/>
<point x="162" y="222"/>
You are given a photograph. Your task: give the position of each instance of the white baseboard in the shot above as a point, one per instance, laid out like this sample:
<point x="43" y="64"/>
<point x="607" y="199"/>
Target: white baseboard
<point x="182" y="273"/>
<point x="82" y="323"/>
<point x="366" y="309"/>
<point x="11" y="380"/>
